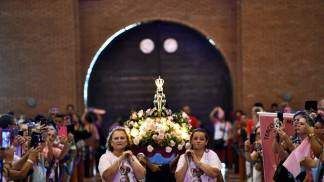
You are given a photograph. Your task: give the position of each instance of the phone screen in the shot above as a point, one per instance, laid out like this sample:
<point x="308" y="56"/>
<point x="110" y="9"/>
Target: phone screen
<point x="5" y="135"/>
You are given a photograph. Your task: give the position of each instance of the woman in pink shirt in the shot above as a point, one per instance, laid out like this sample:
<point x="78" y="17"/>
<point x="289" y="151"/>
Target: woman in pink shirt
<point x="199" y="163"/>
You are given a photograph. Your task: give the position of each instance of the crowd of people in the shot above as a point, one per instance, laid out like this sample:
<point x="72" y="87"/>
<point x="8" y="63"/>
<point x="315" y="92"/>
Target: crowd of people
<point x="57" y="147"/>
<point x="67" y="147"/>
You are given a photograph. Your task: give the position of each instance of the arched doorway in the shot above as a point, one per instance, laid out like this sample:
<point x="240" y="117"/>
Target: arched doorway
<point x="121" y="75"/>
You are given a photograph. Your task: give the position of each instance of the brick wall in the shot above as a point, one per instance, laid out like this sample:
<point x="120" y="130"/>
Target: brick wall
<point x="282" y="51"/>
<point x="38" y="54"/>
<point x="214" y="18"/>
<point x="271" y="47"/>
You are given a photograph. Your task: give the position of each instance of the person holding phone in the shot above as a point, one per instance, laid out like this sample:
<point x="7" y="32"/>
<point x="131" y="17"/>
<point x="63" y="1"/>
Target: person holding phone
<point x="199" y="163"/>
<point x="254" y="154"/>
<point x="119" y="163"/>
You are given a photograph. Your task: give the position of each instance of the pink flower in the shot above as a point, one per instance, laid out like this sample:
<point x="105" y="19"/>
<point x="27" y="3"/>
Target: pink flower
<point x="180" y="147"/>
<point x="168" y="149"/>
<point x="150" y="148"/>
<point x="172" y="143"/>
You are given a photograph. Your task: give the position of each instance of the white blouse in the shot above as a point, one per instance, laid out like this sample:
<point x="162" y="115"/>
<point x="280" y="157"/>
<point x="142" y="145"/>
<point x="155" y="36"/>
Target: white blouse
<point x="209" y="157"/>
<point x="107" y="159"/>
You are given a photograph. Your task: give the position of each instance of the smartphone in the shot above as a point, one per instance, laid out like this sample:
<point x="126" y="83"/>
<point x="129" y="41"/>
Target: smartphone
<point x="5" y="138"/>
<point x="36" y="139"/>
<point x="30" y="128"/>
<point x="278" y="122"/>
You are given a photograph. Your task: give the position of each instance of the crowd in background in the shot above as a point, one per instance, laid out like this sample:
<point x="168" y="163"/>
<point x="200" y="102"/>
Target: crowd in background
<point x="64" y="146"/>
<point x="56" y="147"/>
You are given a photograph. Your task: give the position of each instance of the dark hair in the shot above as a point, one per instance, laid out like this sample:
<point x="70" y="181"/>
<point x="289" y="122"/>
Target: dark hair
<point x="319" y="119"/>
<point x="90" y="117"/>
<point x="109" y="146"/>
<point x="6" y="120"/>
<point x="199" y="130"/>
<point x="303" y="114"/>
<point x="258" y="104"/>
<point x="274" y="105"/>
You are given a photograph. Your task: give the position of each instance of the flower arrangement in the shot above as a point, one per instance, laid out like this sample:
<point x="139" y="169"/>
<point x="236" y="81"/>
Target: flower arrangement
<point x="158" y="130"/>
<point x="153" y="131"/>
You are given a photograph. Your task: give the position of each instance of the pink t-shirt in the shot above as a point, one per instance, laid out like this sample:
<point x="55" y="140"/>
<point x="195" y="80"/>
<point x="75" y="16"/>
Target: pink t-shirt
<point x="209" y="157"/>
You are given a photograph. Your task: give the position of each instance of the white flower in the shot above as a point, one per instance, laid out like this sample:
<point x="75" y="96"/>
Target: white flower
<point x="180" y="147"/>
<point x="134" y="132"/>
<point x="185" y="115"/>
<point x="172" y="143"/>
<point x="150" y="148"/>
<point x="140" y="113"/>
<point x="136" y="141"/>
<point x="163" y="120"/>
<point x="188" y="146"/>
<point x="155" y="137"/>
<point x="168" y="149"/>
<point x="131" y="123"/>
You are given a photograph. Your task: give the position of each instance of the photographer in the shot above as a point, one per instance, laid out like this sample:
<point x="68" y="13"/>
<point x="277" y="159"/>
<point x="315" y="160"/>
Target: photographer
<point x="254" y="155"/>
<point x="285" y="145"/>
<point x="19" y="169"/>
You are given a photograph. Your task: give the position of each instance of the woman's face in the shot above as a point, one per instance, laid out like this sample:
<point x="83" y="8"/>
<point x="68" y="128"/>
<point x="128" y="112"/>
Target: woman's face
<point x="51" y="135"/>
<point x="300" y="125"/>
<point x="119" y="140"/>
<point x="319" y="130"/>
<point x="199" y="140"/>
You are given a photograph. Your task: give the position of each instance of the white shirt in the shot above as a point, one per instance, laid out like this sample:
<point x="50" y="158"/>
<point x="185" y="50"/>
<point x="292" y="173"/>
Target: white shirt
<point x="107" y="159"/>
<point x="209" y="157"/>
<point x="220" y="128"/>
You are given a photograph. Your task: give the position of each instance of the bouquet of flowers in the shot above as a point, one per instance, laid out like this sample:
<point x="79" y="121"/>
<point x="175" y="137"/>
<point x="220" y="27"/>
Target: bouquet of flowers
<point x="170" y="132"/>
<point x="158" y="130"/>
